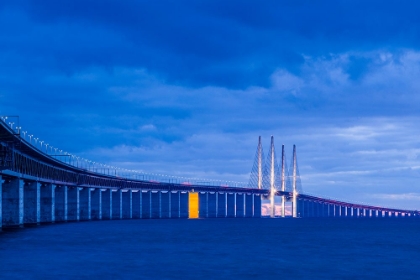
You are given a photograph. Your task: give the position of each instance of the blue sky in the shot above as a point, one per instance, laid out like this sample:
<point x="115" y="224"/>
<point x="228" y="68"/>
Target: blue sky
<point x="186" y="87"/>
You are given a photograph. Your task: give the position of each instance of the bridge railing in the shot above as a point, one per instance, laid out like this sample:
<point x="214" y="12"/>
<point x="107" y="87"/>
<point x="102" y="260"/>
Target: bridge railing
<point x="34" y="159"/>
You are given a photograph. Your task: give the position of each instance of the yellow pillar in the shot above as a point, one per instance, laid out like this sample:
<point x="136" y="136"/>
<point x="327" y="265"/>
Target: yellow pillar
<point x="193" y="205"/>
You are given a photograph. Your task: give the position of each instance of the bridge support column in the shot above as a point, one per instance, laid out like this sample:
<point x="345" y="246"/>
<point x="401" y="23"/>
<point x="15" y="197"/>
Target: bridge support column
<point x="221" y="205"/>
<point x="127" y="204"/>
<point x="12" y="196"/>
<point x="146" y="204"/>
<point x="212" y="205"/>
<point x="32" y="205"/>
<point x="240" y="205"/>
<point x="61" y="203"/>
<point x="96" y="204"/>
<point x="156" y="202"/>
<point x="249" y="205"/>
<point x="165" y="198"/>
<point x="175" y="202"/>
<point x="136" y="196"/>
<point x="73" y="204"/>
<point x="184" y="202"/>
<point x="257" y="206"/>
<point x="117" y="204"/>
<point x="231" y="205"/>
<point x="107" y="204"/>
<point x="203" y="204"/>
<point x="47" y="203"/>
<point x="85" y="204"/>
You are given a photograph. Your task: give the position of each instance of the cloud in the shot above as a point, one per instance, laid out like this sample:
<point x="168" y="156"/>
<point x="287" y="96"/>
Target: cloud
<point x="187" y="88"/>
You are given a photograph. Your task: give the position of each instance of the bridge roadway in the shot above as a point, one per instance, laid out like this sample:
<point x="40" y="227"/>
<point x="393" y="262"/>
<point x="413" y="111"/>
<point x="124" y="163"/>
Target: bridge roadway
<point x="37" y="188"/>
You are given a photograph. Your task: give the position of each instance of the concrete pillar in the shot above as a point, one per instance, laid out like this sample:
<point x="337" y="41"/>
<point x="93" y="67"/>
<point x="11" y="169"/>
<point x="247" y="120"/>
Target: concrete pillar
<point x="61" y="201"/>
<point x="174" y="204"/>
<point x="221" y="207"/>
<point x="47" y="203"/>
<point x="96" y="204"/>
<point x="136" y="210"/>
<point x="116" y="204"/>
<point x="156" y="202"/>
<point x="212" y="204"/>
<point x="127" y="204"/>
<point x="257" y="206"/>
<point x="107" y="204"/>
<point x="231" y="205"/>
<point x="165" y="211"/>
<point x="249" y="205"/>
<point x="202" y="205"/>
<point x="32" y="204"/>
<point x="13" y="202"/>
<point x="73" y="204"/>
<point x="240" y="205"/>
<point x="85" y="204"/>
<point x="183" y="205"/>
<point x="146" y="204"/>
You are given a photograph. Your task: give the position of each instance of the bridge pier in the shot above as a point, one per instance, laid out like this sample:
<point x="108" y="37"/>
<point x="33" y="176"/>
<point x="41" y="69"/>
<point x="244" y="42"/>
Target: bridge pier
<point x="136" y="204"/>
<point x="155" y="206"/>
<point x="175" y="204"/>
<point x="165" y="204"/>
<point x="116" y="204"/>
<point x="106" y="204"/>
<point x="96" y="204"/>
<point x="249" y="205"/>
<point x="221" y="205"/>
<point x="183" y="207"/>
<point x="47" y="202"/>
<point x="146" y="202"/>
<point x="12" y="206"/>
<point x="127" y="204"/>
<point x="240" y="205"/>
<point x="231" y="205"/>
<point x="73" y="204"/>
<point x="212" y="205"/>
<point x="85" y="204"/>
<point x="32" y="205"/>
<point x="61" y="203"/>
<point x="257" y="206"/>
<point x="203" y="204"/>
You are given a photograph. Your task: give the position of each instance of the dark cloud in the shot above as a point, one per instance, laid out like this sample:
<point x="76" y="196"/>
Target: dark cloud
<point x="235" y="44"/>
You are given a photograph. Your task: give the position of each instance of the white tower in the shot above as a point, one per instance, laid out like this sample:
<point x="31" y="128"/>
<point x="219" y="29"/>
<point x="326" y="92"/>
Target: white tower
<point x="294" y="203"/>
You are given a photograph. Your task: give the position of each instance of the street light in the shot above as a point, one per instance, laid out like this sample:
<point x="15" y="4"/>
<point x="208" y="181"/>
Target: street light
<point x="30" y="138"/>
<point x="11" y="124"/>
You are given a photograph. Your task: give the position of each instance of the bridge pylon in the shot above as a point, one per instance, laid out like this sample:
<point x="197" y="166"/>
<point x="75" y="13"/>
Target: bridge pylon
<point x="283" y="182"/>
<point x="272" y="179"/>
<point x="294" y="197"/>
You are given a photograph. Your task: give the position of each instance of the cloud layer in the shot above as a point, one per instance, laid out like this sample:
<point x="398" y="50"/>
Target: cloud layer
<point x="186" y="88"/>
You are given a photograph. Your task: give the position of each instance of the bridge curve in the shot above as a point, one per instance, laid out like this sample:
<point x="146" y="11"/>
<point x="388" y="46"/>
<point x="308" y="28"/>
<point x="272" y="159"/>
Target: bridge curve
<point x="36" y="187"/>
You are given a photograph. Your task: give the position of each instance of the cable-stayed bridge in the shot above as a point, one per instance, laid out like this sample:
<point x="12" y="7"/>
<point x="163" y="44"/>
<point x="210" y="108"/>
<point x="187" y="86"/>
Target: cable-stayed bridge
<point x="41" y="184"/>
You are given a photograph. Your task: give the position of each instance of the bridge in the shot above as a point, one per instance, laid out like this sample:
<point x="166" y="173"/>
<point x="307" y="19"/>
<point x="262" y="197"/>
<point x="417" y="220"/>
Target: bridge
<point x="39" y="185"/>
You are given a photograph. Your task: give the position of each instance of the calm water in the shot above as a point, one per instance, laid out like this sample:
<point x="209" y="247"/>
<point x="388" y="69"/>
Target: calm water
<point x="215" y="248"/>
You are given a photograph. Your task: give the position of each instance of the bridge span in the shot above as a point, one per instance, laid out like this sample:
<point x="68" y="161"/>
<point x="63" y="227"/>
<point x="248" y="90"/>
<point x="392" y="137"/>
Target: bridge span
<point x="36" y="187"/>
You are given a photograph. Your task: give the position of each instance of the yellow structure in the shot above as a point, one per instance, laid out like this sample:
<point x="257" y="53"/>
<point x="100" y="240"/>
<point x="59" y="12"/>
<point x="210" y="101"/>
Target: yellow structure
<point x="193" y="205"/>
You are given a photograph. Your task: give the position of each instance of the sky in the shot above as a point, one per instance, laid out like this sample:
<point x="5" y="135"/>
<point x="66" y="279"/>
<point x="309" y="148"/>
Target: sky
<point x="185" y="88"/>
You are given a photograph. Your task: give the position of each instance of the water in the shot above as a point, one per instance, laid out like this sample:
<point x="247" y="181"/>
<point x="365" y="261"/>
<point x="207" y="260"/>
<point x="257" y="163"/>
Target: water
<point x="214" y="249"/>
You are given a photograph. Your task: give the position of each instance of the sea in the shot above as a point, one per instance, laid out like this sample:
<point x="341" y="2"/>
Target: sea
<point x="259" y="248"/>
